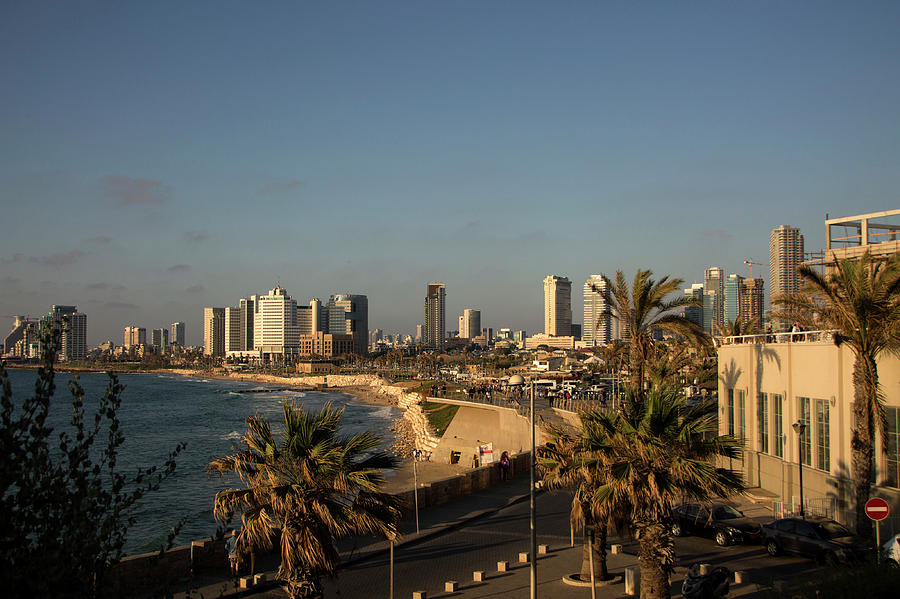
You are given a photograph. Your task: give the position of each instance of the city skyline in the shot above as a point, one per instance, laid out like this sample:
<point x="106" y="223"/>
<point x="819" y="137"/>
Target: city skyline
<point x="151" y="166"/>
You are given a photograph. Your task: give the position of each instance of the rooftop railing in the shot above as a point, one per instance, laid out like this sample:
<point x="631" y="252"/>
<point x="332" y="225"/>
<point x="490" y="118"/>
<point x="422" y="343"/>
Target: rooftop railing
<point x="786" y="337"/>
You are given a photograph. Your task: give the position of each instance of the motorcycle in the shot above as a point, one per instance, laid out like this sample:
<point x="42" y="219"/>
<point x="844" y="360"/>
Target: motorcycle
<point x="712" y="585"/>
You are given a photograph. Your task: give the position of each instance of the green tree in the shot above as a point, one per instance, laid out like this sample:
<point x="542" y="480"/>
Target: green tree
<point x="860" y="301"/>
<point x="641" y="309"/>
<point x="738" y="327"/>
<point x="312" y="487"/>
<point x="654" y="454"/>
<point x="65" y="508"/>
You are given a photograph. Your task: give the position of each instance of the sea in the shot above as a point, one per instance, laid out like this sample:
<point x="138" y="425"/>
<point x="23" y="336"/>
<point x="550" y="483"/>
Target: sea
<point x="160" y="411"/>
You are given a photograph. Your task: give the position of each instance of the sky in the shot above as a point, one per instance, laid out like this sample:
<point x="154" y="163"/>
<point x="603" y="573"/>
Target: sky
<point x="159" y="157"/>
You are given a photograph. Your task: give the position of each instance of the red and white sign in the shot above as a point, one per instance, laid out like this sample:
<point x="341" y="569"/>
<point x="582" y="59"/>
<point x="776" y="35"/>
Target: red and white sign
<point x="877" y="509"/>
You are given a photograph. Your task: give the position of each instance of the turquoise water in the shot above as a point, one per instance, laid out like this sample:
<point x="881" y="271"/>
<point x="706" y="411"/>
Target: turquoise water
<point x="160" y="410"/>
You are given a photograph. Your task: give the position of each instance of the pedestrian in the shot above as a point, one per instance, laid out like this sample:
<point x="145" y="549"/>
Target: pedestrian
<point x="475" y="460"/>
<point x="231" y="548"/>
<point x="504" y="466"/>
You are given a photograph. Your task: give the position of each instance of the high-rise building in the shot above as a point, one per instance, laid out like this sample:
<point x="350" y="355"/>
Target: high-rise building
<point x="319" y="315"/>
<point x="159" y="339"/>
<point x="214" y="331"/>
<point x="752" y="300"/>
<point x="234" y="320"/>
<point x="597" y="317"/>
<point x="435" y="315"/>
<point x="73" y="341"/>
<point x="785" y="257"/>
<point x="135" y="336"/>
<point x="276" y="333"/>
<point x="714" y="280"/>
<point x="694" y="313"/>
<point x="470" y="323"/>
<point x="348" y="314"/>
<point x="733" y="297"/>
<point x="248" y="306"/>
<point x="177" y="333"/>
<point x="557" y="306"/>
<point x="710" y="306"/>
<point x="23" y="341"/>
<point x="420" y="333"/>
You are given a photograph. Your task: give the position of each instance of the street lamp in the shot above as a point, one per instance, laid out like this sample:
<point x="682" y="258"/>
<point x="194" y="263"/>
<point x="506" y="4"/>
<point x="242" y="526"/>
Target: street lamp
<point x="800" y="428"/>
<point x="514" y="381"/>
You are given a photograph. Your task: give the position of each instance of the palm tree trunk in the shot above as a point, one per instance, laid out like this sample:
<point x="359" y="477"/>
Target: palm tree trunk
<point x="598" y="547"/>
<point x="654" y="559"/>
<point x="636" y="366"/>
<point x="865" y="390"/>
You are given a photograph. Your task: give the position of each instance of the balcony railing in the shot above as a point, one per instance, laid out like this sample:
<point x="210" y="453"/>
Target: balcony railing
<point x="786" y="337"/>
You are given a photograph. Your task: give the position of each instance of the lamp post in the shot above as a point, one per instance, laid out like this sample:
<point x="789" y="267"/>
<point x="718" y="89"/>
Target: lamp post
<point x="514" y="381"/>
<point x="800" y="428"/>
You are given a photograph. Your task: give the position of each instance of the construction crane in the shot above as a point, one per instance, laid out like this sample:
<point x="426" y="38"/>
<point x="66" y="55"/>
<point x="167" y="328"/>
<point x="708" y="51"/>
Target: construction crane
<point x="749" y="262"/>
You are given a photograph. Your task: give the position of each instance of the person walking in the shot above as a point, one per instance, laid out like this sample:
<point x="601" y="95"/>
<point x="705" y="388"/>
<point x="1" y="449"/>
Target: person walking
<point x="504" y="466"/>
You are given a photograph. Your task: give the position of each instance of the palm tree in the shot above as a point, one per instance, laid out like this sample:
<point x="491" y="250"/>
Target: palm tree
<point x="654" y="454"/>
<point x="643" y="308"/>
<point x="738" y="327"/>
<point x="860" y="301"/>
<point x="314" y="486"/>
<point x="563" y="462"/>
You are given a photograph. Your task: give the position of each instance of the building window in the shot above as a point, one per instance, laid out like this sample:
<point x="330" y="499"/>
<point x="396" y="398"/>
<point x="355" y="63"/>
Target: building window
<point x="777" y="425"/>
<point x="823" y="436"/>
<point x="731" y="412"/>
<point x="892" y="458"/>
<point x="805" y="457"/>
<point x="762" y="421"/>
<point x="740" y="424"/>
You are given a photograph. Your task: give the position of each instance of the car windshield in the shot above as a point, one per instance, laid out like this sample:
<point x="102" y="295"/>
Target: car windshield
<point x="832" y="530"/>
<point x="725" y="512"/>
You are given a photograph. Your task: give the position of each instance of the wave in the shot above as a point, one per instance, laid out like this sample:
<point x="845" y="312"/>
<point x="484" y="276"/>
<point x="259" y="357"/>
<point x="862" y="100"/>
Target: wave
<point x="233" y="435"/>
<point x="233" y="393"/>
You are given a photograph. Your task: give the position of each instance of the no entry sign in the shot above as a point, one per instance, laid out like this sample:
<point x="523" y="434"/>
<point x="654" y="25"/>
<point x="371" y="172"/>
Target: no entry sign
<point x="877" y="509"/>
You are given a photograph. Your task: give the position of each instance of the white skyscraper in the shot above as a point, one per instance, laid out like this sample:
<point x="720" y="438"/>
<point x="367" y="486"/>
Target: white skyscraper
<point x="435" y="315"/>
<point x="176" y="332"/>
<point x="214" y="331"/>
<point x="557" y="306"/>
<point x="597" y="329"/>
<point x="470" y="323"/>
<point x="275" y="330"/>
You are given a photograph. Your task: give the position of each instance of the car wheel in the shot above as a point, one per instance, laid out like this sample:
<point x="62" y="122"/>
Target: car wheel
<point x="722" y="538"/>
<point x="676" y="529"/>
<point x="772" y="548"/>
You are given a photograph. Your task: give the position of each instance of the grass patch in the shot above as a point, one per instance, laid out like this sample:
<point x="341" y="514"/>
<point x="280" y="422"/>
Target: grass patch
<point x="439" y="415"/>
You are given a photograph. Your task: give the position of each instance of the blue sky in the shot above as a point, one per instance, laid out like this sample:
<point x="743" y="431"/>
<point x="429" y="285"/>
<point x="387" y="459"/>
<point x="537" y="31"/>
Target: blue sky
<point x="159" y="157"/>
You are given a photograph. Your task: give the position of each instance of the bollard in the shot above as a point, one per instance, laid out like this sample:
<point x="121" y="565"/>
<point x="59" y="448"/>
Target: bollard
<point x="478" y="576"/>
<point x="502" y="566"/>
<point x="615" y="549"/>
<point x="451" y="586"/>
<point x="259" y="579"/>
<point x="543" y="550"/>
<point x="740" y="577"/>
<point x="245" y="582"/>
<point x="523" y="558"/>
<point x="420" y="595"/>
<point x="632" y="581"/>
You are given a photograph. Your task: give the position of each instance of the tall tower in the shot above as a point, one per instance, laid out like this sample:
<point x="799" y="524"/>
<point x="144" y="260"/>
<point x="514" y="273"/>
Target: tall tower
<point x="733" y="297"/>
<point x="214" y="331"/>
<point x="470" y="323"/>
<point x="348" y="314"/>
<point x="714" y="281"/>
<point x="435" y="309"/>
<point x="275" y="328"/>
<point x="74" y="331"/>
<point x="557" y="306"/>
<point x="596" y="329"/>
<point x="233" y="319"/>
<point x="752" y="300"/>
<point x="177" y="333"/>
<point x="694" y="313"/>
<point x="785" y="257"/>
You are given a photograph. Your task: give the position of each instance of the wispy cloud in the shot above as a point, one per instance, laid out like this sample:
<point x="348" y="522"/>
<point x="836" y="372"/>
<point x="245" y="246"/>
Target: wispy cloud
<point x="9" y="281"/>
<point x="100" y="240"/>
<point x="276" y="188"/>
<point x="105" y="287"/>
<point x="718" y="235"/>
<point x="196" y="236"/>
<point x="179" y="268"/>
<point x="128" y="191"/>
<point x="198" y="288"/>
<point x="57" y="260"/>
<point x="120" y="306"/>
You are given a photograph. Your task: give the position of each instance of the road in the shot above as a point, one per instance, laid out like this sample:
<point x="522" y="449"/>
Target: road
<point x="479" y="545"/>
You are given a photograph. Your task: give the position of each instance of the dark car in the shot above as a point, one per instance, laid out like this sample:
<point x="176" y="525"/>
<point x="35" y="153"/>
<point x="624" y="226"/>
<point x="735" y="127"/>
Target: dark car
<point x="823" y="540"/>
<point x="718" y="520"/>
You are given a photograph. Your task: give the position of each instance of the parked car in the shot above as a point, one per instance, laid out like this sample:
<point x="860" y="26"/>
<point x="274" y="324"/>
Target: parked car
<point x="720" y="521"/>
<point x="823" y="540"/>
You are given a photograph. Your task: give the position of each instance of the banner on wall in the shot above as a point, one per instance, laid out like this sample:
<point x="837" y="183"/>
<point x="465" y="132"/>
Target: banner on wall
<point x="486" y="454"/>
